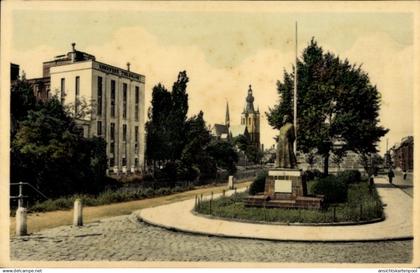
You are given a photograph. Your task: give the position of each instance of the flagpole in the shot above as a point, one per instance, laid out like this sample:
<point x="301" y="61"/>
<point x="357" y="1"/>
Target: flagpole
<point x="295" y="92"/>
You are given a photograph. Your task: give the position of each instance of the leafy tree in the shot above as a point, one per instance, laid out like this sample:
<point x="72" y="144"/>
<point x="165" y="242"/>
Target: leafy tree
<point x="48" y="151"/>
<point x="251" y="152"/>
<point x="22" y="100"/>
<point x="224" y="153"/>
<point x="371" y="162"/>
<point x="311" y="159"/>
<point x="178" y="144"/>
<point x="158" y="138"/>
<point x="336" y="101"/>
<point x="338" y="157"/>
<point x="194" y="153"/>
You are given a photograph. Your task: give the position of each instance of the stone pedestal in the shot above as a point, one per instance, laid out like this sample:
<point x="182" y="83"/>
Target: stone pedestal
<point x="284" y="184"/>
<point x="285" y="188"/>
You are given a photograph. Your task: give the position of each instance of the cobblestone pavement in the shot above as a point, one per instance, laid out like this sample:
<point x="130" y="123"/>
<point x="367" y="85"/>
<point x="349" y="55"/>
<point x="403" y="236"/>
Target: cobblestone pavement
<point x="122" y="238"/>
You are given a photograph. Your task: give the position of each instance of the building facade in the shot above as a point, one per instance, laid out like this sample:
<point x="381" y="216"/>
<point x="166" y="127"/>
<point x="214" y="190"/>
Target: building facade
<point x="115" y="99"/>
<point x="402" y="154"/>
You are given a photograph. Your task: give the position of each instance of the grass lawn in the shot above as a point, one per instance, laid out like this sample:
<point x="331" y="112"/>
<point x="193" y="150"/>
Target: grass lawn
<point x="360" y="206"/>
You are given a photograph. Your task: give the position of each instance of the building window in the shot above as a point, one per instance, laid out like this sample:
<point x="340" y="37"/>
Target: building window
<point x="112" y="131"/>
<point x="136" y="162"/>
<point x="136" y="106"/>
<point x="111" y="162"/>
<point x="124" y="161"/>
<point x="124" y="132"/>
<point x="63" y="89"/>
<point x="77" y="93"/>
<point x="112" y="148"/>
<point x="136" y="134"/>
<point x="99" y="128"/>
<point x="99" y="109"/>
<point x="113" y="98"/>
<point x="124" y="100"/>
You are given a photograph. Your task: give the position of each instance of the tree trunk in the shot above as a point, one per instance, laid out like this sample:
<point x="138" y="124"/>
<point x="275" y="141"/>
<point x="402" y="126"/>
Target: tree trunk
<point x="326" y="158"/>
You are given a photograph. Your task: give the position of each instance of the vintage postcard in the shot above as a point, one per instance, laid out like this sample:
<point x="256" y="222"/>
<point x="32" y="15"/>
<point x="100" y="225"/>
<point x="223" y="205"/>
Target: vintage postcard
<point x="209" y="134"/>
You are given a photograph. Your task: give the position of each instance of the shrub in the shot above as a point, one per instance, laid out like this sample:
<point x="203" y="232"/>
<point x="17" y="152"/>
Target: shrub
<point x="163" y="191"/>
<point x="333" y="189"/>
<point x="317" y="173"/>
<point x="350" y="176"/>
<point x="258" y="184"/>
<point x="309" y="175"/>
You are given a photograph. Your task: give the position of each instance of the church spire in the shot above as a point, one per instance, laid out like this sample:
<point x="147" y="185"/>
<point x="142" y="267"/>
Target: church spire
<point x="227" y="118"/>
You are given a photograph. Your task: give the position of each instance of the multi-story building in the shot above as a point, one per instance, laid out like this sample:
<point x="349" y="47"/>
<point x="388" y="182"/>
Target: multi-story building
<point x="115" y="97"/>
<point x="402" y="154"/>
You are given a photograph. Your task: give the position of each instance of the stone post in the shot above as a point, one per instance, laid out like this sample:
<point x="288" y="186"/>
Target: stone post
<point x="231" y="182"/>
<point x="77" y="214"/>
<point x="21" y="224"/>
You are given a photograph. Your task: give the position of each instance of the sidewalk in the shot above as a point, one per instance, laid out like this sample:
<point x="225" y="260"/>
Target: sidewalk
<point x="397" y="224"/>
<point x="51" y="219"/>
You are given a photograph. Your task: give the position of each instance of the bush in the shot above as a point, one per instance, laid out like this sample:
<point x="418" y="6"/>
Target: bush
<point x="333" y="189"/>
<point x="309" y="175"/>
<point x="317" y="173"/>
<point x="350" y="176"/>
<point x="258" y="184"/>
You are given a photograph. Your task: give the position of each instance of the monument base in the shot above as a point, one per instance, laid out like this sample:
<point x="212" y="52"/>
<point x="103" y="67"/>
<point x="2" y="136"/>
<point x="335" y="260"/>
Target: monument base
<point x="285" y="188"/>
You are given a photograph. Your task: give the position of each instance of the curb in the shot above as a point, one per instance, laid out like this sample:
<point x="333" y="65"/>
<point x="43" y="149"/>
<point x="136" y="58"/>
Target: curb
<point x="221" y="235"/>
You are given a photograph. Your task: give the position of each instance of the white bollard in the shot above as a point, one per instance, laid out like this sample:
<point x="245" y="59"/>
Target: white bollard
<point x="21" y="225"/>
<point x="77" y="214"/>
<point x="231" y="182"/>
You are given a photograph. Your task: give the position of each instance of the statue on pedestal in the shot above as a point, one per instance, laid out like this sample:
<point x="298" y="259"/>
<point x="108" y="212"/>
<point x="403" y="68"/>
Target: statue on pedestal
<point x="285" y="157"/>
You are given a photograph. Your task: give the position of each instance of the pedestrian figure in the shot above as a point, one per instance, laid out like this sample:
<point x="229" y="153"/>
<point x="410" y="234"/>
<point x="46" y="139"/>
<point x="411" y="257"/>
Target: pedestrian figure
<point x="390" y="175"/>
<point x="404" y="174"/>
<point x="371" y="182"/>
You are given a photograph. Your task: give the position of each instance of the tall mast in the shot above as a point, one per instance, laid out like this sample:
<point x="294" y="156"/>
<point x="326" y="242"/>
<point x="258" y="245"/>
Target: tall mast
<point x="295" y="92"/>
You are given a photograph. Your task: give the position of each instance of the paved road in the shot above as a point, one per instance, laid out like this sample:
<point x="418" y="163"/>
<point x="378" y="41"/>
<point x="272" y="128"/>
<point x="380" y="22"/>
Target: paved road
<point x="122" y="238"/>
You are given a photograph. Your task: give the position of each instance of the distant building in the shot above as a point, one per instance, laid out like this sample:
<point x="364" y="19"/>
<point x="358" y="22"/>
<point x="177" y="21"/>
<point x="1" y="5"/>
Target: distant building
<point x="14" y="72"/>
<point x="250" y="123"/>
<point x="251" y="119"/>
<point x="402" y="154"/>
<point x="116" y="96"/>
<point x="40" y="86"/>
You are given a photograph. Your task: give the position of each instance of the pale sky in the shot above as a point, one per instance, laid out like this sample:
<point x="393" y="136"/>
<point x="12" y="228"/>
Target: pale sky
<point x="225" y="51"/>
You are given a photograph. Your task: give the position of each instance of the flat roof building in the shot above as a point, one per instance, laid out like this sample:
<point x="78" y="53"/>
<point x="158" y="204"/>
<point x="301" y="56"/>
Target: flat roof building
<point x="116" y="104"/>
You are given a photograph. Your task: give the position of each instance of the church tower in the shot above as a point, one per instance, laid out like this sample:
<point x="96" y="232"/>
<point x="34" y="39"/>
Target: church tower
<point x="251" y="119"/>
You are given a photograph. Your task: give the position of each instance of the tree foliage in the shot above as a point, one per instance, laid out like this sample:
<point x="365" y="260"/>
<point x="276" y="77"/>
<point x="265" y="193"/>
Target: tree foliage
<point x="336" y="101"/>
<point x="224" y="153"/>
<point x="48" y="150"/>
<point x="177" y="145"/>
<point x="245" y="145"/>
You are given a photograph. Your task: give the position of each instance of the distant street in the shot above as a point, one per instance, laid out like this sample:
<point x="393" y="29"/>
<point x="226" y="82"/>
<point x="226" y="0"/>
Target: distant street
<point x="404" y="184"/>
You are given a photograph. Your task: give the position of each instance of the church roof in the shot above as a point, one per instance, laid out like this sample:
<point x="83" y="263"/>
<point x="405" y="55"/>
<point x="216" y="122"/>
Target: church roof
<point x="237" y="130"/>
<point x="220" y="129"/>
